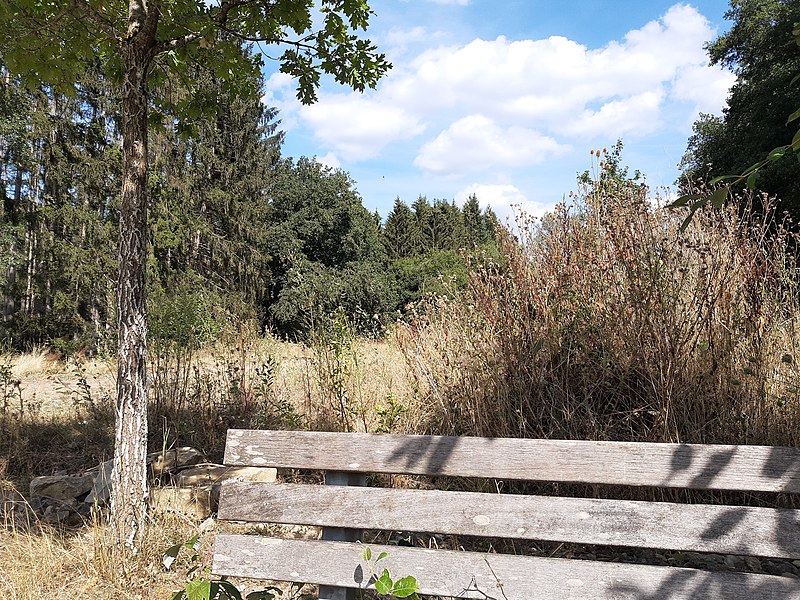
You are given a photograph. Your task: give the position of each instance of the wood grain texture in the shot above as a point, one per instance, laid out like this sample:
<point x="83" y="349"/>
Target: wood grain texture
<point x="703" y="528"/>
<point x="712" y="467"/>
<point x="476" y="575"/>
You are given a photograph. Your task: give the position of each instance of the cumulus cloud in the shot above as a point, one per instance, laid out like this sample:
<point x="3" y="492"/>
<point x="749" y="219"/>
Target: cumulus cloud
<point x="515" y="103"/>
<point x="705" y="86"/>
<point x="476" y="143"/>
<point x="637" y="115"/>
<point x="329" y="160"/>
<point x="358" y="128"/>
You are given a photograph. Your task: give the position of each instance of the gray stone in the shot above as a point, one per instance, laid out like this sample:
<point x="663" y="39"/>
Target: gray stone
<point x="215" y="474"/>
<point x="61" y="487"/>
<point x="101" y="489"/>
<point x="193" y="502"/>
<point x="753" y="563"/>
<point x="174" y="460"/>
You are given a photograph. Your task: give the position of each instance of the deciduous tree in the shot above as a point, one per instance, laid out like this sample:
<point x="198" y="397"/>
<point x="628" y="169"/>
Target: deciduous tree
<point x="142" y="44"/>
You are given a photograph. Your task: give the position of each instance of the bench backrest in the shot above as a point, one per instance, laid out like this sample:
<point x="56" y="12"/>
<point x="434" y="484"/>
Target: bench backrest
<point x="741" y="530"/>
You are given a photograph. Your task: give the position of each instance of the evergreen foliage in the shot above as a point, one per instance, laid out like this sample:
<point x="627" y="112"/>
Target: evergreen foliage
<point x="235" y="229"/>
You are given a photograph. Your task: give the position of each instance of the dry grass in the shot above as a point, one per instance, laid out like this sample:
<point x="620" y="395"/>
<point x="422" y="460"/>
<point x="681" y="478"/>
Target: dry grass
<point x="48" y="563"/>
<point x="62" y="421"/>
<point x="604" y="321"/>
<point x="35" y="362"/>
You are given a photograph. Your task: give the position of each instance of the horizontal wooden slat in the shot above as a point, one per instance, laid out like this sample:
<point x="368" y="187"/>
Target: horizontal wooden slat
<point x="704" y="528"/>
<point x="713" y="467"/>
<point x="475" y="575"/>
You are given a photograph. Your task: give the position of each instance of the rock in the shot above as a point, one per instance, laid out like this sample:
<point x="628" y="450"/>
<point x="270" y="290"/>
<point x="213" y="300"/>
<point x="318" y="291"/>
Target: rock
<point x="101" y="489"/>
<point x="63" y="512"/>
<point x="211" y="476"/>
<point x="174" y="460"/>
<point x="735" y="563"/>
<point x="215" y="474"/>
<point x="193" y="502"/>
<point x="61" y="487"/>
<point x="753" y="563"/>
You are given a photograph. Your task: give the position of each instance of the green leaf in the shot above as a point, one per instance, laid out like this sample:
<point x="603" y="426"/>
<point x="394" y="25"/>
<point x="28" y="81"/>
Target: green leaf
<point x="367" y="553"/>
<point x="693" y="209"/>
<point x="718" y="198"/>
<point x="720" y="178"/>
<point x="383" y="584"/>
<point x="777" y="153"/>
<point x="381" y="556"/>
<point x="795" y="115"/>
<point x="796" y="141"/>
<point x="231" y="591"/>
<point x="684" y="200"/>
<point x="198" y="589"/>
<point x="404" y="587"/>
<point x="268" y="593"/>
<point x="755" y="167"/>
<point x="168" y="559"/>
<point x="751" y="181"/>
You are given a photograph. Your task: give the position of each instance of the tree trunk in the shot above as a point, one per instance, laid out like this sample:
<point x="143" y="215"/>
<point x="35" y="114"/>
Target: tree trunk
<point x="129" y="487"/>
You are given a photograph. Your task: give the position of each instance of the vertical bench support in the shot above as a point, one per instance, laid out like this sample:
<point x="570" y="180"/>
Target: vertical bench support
<point x="341" y="534"/>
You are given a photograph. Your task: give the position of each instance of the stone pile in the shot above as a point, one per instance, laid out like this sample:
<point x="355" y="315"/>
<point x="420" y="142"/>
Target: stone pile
<point x="180" y="482"/>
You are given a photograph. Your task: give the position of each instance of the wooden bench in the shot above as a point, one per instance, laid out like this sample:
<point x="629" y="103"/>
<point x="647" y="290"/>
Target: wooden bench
<point x="344" y="509"/>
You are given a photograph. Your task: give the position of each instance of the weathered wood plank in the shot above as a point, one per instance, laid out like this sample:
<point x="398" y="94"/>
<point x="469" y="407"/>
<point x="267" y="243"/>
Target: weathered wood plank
<point x="704" y="528"/>
<point x="475" y="575"/>
<point x="713" y="467"/>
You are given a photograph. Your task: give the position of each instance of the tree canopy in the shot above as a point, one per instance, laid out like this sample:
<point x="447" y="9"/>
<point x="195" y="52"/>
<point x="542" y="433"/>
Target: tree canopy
<point x="761" y="49"/>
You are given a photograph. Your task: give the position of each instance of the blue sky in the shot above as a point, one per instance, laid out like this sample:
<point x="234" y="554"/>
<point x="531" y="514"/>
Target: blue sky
<point x="505" y="99"/>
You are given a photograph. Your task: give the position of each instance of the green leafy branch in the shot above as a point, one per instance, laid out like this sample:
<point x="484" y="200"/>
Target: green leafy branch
<point x="748" y="177"/>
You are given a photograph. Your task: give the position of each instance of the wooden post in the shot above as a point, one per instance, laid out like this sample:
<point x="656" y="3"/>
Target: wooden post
<point x="341" y="534"/>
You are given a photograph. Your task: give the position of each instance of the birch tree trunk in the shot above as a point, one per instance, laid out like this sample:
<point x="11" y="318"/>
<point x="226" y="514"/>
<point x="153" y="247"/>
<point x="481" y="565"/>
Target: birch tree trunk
<point x="129" y="480"/>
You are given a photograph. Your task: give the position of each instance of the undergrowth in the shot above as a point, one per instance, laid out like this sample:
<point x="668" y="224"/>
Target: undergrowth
<point x="604" y="321"/>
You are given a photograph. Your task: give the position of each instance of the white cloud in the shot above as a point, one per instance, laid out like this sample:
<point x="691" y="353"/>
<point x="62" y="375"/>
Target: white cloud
<point x="358" y="128"/>
<point x="504" y="199"/>
<point x="705" y="86"/>
<point x="637" y="115"/>
<point x="329" y="160"/>
<point x="501" y="102"/>
<point x="476" y="143"/>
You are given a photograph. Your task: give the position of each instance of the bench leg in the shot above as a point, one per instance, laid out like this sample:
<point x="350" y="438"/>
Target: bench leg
<point x="341" y="534"/>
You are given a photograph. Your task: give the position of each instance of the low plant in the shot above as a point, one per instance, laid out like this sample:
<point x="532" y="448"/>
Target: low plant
<point x="200" y="583"/>
<point x="389" y="414"/>
<point x="333" y="341"/>
<point x="385" y="585"/>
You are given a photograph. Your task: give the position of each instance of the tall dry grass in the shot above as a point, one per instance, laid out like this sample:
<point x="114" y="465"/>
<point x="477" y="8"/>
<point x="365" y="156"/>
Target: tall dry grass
<point x="194" y="397"/>
<point x="605" y="321"/>
<point x="46" y="562"/>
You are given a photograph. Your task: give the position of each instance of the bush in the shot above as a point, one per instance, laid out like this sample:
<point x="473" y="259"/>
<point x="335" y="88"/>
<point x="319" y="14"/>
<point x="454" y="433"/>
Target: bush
<point x="604" y="321"/>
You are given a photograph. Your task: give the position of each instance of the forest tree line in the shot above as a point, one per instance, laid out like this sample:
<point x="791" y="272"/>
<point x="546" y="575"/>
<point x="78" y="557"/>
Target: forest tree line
<point x="238" y="232"/>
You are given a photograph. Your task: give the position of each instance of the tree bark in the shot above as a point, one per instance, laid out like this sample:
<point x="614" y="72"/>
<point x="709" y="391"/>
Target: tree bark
<point x="129" y="486"/>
